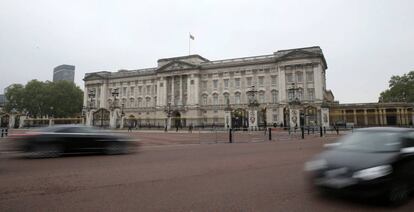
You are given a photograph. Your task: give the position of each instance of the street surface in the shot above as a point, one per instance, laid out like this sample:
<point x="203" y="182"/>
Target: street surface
<point x="182" y="175"/>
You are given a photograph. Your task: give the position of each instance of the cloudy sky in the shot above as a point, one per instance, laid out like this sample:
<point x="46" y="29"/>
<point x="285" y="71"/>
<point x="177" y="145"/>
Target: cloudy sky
<point x="364" y="42"/>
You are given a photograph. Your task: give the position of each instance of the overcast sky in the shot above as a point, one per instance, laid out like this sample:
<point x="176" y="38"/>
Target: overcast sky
<point x="364" y="42"/>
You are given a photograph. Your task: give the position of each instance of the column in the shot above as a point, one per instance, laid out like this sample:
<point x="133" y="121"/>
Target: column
<point x="376" y="116"/>
<point x="180" y="101"/>
<point x="172" y="90"/>
<point x="189" y="100"/>
<point x="384" y="117"/>
<point x="365" y="117"/>
<point x="104" y="93"/>
<point x="85" y="97"/>
<point x="355" y="118"/>
<point x="398" y="116"/>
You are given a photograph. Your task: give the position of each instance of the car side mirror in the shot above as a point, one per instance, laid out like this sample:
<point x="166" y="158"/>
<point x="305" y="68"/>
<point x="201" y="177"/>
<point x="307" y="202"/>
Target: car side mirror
<point x="407" y="150"/>
<point x="331" y="145"/>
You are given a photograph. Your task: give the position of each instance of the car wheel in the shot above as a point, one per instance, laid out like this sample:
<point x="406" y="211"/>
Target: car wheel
<point x="398" y="194"/>
<point x="44" y="151"/>
<point x="114" y="148"/>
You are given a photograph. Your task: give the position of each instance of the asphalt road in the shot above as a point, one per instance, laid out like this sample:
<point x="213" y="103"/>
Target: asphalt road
<point x="264" y="176"/>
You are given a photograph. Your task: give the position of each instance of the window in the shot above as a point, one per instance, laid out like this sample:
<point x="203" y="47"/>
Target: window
<point x="289" y="77"/>
<point x="262" y="97"/>
<point x="311" y="94"/>
<point x="155" y="101"/>
<point x="275" y="96"/>
<point x="261" y="81"/>
<point x="204" y="85"/>
<point x="237" y="82"/>
<point x="226" y="98"/>
<point x="309" y="76"/>
<point x="299" y="76"/>
<point x="274" y="80"/>
<point x="139" y="90"/>
<point x="131" y="103"/>
<point x="291" y="95"/>
<point x="215" y="99"/>
<point x="191" y="82"/>
<point x="237" y="98"/>
<point x="226" y="83"/>
<point x="249" y="81"/>
<point x="204" y="99"/>
<point x="148" y="89"/>
<point x="274" y="117"/>
<point x="139" y="102"/>
<point x="147" y="102"/>
<point x="161" y="85"/>
<point x="299" y="94"/>
<point x="215" y="84"/>
<point x="124" y="91"/>
<point x="132" y="91"/>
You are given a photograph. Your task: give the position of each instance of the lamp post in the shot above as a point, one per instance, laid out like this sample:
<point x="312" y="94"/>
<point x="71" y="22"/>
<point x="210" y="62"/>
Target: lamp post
<point x="168" y="113"/>
<point x="253" y="105"/>
<point x="294" y="104"/>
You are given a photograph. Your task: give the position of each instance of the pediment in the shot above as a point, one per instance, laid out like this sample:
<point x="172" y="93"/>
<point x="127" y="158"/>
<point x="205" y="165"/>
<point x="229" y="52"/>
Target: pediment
<point x="93" y="76"/>
<point x="298" y="54"/>
<point x="176" y="65"/>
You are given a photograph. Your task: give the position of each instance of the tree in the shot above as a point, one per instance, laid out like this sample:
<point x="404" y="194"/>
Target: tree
<point x="401" y="89"/>
<point x="39" y="99"/>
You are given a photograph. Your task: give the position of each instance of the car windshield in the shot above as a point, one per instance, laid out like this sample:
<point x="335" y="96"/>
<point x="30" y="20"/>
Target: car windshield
<point x="371" y="142"/>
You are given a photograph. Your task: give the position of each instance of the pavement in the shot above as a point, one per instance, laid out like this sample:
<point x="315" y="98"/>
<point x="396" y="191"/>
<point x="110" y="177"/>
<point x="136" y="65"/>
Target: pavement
<point x="176" y="176"/>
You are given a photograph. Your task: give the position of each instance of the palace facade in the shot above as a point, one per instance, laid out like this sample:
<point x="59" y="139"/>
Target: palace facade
<point x="285" y="88"/>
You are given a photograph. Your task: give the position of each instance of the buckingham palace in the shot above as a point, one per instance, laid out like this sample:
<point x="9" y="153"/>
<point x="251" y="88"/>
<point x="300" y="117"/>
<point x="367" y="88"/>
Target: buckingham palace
<point x="286" y="88"/>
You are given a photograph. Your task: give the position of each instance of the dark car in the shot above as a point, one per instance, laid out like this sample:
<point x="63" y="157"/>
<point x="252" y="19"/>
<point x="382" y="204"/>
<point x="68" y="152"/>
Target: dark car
<point x="58" y="140"/>
<point x="371" y="162"/>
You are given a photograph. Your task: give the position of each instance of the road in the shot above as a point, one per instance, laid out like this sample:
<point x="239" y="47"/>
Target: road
<point x="263" y="176"/>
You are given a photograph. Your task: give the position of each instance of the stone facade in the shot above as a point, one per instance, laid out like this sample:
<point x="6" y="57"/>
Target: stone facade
<point x="197" y="91"/>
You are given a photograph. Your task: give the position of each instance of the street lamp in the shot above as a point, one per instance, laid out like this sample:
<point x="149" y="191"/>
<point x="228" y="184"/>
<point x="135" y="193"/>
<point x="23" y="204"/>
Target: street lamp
<point x="168" y="113"/>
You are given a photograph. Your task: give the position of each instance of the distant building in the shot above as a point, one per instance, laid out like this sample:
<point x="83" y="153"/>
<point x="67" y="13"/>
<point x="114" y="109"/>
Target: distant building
<point x="2" y="100"/>
<point x="64" y="72"/>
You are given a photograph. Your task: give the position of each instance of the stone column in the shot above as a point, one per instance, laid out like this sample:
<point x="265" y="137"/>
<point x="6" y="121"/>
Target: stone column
<point x="294" y="115"/>
<point x="12" y="120"/>
<point x="376" y="116"/>
<point x="180" y="100"/>
<point x="172" y="90"/>
<point x="384" y="117"/>
<point x="22" y="119"/>
<point x="355" y="118"/>
<point x="365" y="117"/>
<point x="85" y="97"/>
<point x="104" y="95"/>
<point x="398" y="115"/>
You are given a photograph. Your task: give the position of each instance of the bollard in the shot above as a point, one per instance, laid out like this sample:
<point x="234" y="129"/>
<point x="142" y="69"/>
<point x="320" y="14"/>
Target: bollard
<point x="337" y="131"/>
<point x="270" y="134"/>
<point x="303" y="132"/>
<point x="320" y="130"/>
<point x="308" y="130"/>
<point x="230" y="136"/>
<point x="289" y="130"/>
<point x="324" y="130"/>
<point x="313" y="130"/>
<point x="6" y="132"/>
<point x="2" y="132"/>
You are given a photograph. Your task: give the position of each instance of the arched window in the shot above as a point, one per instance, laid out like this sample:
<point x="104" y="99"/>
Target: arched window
<point x="215" y="99"/>
<point x="262" y="98"/>
<point x="237" y="98"/>
<point x="139" y="102"/>
<point x="226" y="98"/>
<point x="275" y="95"/>
<point x="204" y="99"/>
<point x="147" y="102"/>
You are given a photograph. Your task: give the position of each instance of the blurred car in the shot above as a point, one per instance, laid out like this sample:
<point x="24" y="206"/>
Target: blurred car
<point x="371" y="162"/>
<point x="58" y="140"/>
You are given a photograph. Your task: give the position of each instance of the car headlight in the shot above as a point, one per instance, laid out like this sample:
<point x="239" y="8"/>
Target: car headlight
<point x="315" y="165"/>
<point x="374" y="172"/>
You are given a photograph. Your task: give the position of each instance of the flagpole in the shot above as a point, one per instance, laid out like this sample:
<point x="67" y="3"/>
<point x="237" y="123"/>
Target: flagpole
<point x="189" y="41"/>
